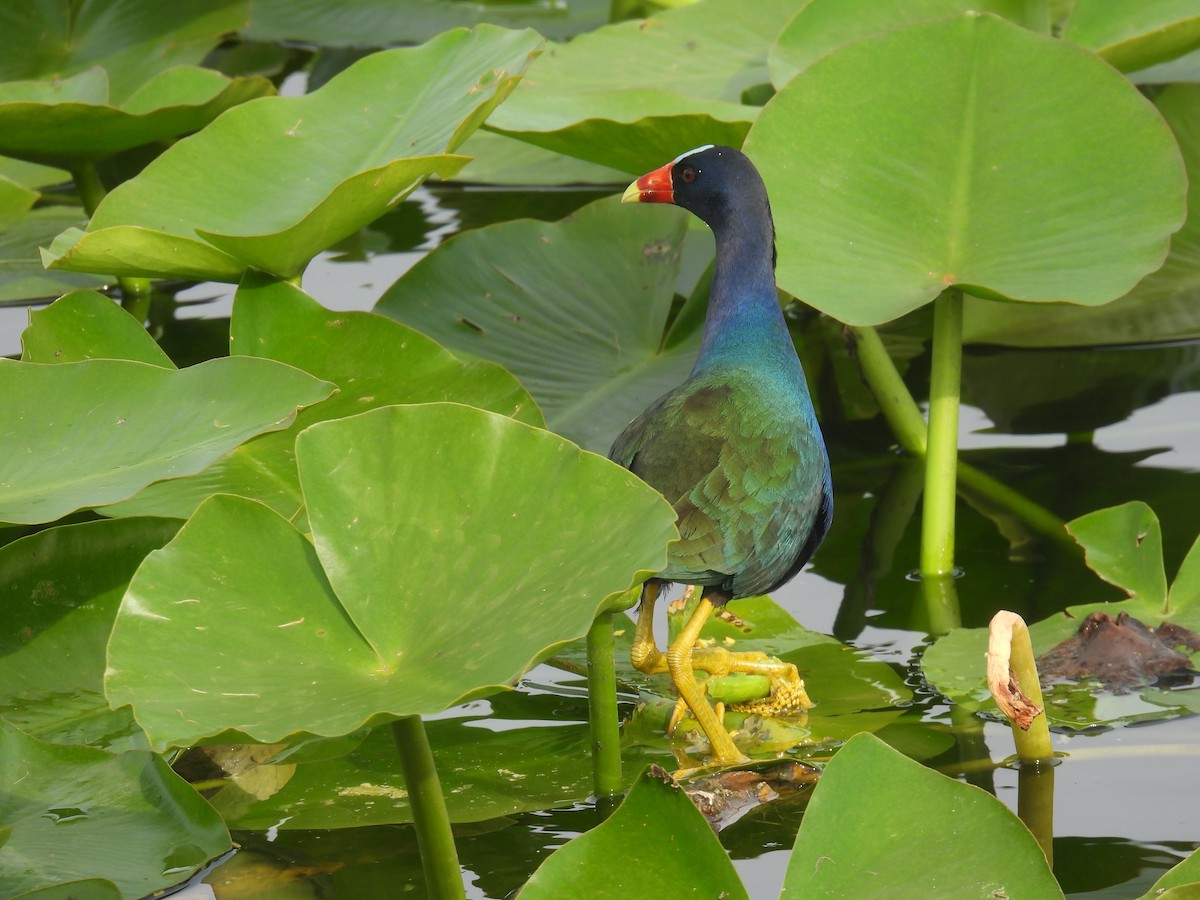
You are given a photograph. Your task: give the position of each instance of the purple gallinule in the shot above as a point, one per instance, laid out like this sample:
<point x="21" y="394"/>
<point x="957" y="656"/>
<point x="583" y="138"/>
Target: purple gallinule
<point x="736" y="448"/>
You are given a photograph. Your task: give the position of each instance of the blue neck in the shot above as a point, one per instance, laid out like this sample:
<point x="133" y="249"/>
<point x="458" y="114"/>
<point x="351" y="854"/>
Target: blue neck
<point x="745" y="325"/>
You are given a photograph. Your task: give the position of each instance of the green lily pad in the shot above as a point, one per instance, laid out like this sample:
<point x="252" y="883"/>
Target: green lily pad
<point x="69" y="122"/>
<point x="656" y="844"/>
<point x="274" y="182"/>
<point x="1123" y="545"/>
<point x="22" y="276"/>
<point x="873" y="806"/>
<point x="635" y="94"/>
<point x="1165" y="305"/>
<point x="59" y="592"/>
<point x="88" y="433"/>
<point x="825" y="25"/>
<point x="91" y="888"/>
<point x="373" y="621"/>
<point x="548" y="302"/>
<point x="49" y="40"/>
<point x="1008" y="164"/>
<point x="1185" y="878"/>
<point x="78" y="812"/>
<point x="87" y="325"/>
<point x="15" y="201"/>
<point x="373" y="360"/>
<point x="1135" y="36"/>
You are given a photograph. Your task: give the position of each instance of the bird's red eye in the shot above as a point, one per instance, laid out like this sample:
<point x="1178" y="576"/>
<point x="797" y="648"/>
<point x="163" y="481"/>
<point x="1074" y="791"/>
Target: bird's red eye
<point x="688" y="174"/>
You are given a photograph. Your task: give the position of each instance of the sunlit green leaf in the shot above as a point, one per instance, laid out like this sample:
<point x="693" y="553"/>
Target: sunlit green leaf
<point x="74" y="121"/>
<point x="656" y="843"/>
<point x="575" y="309"/>
<point x="431" y="520"/>
<point x="79" y="812"/>
<point x="873" y="810"/>
<point x="86" y="325"/>
<point x="59" y="591"/>
<point x="373" y="360"/>
<point x="82" y="434"/>
<point x="1184" y="878"/>
<point x="1123" y="545"/>
<point x="636" y="94"/>
<point x="1165" y="305"/>
<point x="1007" y="164"/>
<point x="22" y="276"/>
<point x="48" y="39"/>
<point x="824" y="25"/>
<point x="1135" y="36"/>
<point x="274" y="182"/>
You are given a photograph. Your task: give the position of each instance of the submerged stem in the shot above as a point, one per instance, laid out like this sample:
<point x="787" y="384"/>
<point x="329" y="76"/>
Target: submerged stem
<point x="439" y="858"/>
<point x="602" y="710"/>
<point x="941" y="460"/>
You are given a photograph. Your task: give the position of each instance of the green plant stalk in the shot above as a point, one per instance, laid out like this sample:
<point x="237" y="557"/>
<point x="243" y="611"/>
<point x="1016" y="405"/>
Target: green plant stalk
<point x="602" y="710"/>
<point x="439" y="857"/>
<point x="941" y="457"/>
<point x="135" y="292"/>
<point x="1035" y="804"/>
<point x="1033" y="746"/>
<point x="907" y="423"/>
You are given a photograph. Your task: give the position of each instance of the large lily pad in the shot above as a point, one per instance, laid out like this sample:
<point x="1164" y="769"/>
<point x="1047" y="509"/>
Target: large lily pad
<point x="88" y="433"/>
<point x="1165" y="305"/>
<point x="435" y="526"/>
<point x="1135" y="36"/>
<point x="1123" y="545"/>
<point x="577" y="310"/>
<point x="656" y="844"/>
<point x="68" y="122"/>
<point x="635" y="94"/>
<point x="78" y="812"/>
<point x="59" y="591"/>
<point x="824" y="25"/>
<point x="873" y="806"/>
<point x="274" y="182"/>
<point x="86" y="325"/>
<point x="1008" y="164"/>
<point x="132" y="40"/>
<point x="373" y="360"/>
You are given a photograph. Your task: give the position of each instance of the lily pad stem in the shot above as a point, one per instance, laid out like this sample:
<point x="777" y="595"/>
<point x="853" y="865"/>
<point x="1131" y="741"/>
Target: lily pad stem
<point x="135" y="292"/>
<point x="907" y="423"/>
<point x="602" y="711"/>
<point x="439" y="857"/>
<point x="941" y="454"/>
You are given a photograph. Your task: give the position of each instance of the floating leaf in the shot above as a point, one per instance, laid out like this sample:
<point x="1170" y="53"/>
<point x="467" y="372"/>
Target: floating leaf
<point x="87" y="433"/>
<point x="373" y="360"/>
<point x="22" y="276"/>
<point x="537" y="531"/>
<point x="637" y="93"/>
<point x="49" y="40"/>
<point x="656" y="843"/>
<point x="575" y="309"/>
<point x="825" y="25"/>
<point x="1134" y="36"/>
<point x="873" y="806"/>
<point x="1184" y="878"/>
<point x="274" y="182"/>
<point x="66" y="123"/>
<point x="86" y="325"/>
<point x="1007" y="164"/>
<point x="79" y="812"/>
<point x="59" y="592"/>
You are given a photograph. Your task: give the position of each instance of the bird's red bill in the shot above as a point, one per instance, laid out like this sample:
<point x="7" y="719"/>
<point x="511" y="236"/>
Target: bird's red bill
<point x="653" y="187"/>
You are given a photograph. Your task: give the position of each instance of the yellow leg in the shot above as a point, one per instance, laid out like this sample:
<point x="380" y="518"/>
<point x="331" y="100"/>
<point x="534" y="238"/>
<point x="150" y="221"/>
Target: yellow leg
<point x="645" y="655"/>
<point x="679" y="662"/>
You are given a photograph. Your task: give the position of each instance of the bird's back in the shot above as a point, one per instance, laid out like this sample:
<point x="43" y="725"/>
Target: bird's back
<point x="739" y="455"/>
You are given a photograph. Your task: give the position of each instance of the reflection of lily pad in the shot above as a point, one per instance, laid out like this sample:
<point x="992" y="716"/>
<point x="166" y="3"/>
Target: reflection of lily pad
<point x="272" y="183"/>
<point x="78" y="812"/>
